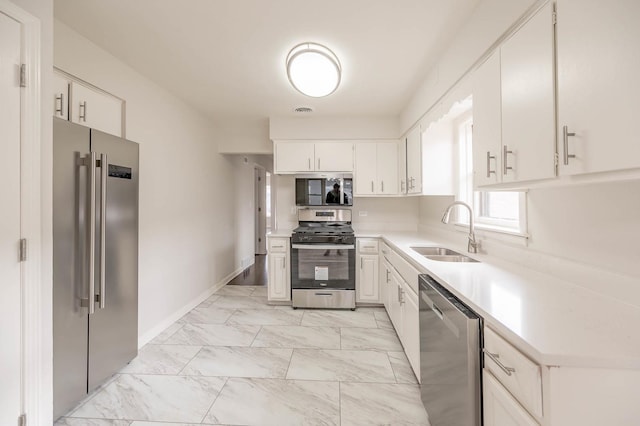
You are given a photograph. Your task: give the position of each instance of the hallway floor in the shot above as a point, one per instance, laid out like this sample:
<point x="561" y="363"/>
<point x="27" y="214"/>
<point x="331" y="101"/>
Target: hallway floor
<point x="234" y="360"/>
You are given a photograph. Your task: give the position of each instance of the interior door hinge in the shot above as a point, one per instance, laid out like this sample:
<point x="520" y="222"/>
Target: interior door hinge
<point x="554" y="18"/>
<point x="23" y="250"/>
<point x="23" y="75"/>
<point x="22" y="420"/>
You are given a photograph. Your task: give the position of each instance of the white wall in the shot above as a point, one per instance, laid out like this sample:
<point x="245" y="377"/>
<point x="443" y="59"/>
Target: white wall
<point x="243" y="137"/>
<point x="333" y="128"/>
<point x="186" y="188"/>
<point x="489" y="20"/>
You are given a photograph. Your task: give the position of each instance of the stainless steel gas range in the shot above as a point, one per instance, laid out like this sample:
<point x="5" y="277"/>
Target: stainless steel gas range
<point x="323" y="259"/>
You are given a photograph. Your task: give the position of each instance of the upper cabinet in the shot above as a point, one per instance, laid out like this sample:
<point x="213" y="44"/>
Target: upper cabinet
<point x="312" y="156"/>
<point x="514" y="107"/>
<point x="598" y="63"/>
<point x="87" y="106"/>
<point x="414" y="161"/>
<point x="376" y="168"/>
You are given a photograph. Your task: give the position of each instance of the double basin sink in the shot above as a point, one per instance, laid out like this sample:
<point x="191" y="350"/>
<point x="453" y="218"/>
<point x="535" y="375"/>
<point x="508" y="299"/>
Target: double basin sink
<point x="442" y="254"/>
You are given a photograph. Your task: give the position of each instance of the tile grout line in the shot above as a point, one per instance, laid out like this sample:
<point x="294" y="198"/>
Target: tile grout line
<point x="392" y="369"/>
<point x="226" y="380"/>
<point x="289" y="366"/>
<point x="189" y="362"/>
<point x="339" y="403"/>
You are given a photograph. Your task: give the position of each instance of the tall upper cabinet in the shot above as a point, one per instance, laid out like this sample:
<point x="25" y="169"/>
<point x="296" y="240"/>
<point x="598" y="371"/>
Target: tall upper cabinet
<point x="514" y="136"/>
<point x="83" y="104"/>
<point x="414" y="161"/>
<point x="598" y="59"/>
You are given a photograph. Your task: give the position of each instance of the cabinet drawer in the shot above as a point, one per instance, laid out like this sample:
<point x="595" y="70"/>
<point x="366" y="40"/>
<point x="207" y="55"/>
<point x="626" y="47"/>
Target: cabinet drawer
<point x="521" y="376"/>
<point x="368" y="246"/>
<point x="278" y="245"/>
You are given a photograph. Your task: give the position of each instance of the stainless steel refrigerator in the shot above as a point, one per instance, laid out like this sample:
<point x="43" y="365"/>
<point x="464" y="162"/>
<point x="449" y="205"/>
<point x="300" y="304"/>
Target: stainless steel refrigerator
<point x="95" y="259"/>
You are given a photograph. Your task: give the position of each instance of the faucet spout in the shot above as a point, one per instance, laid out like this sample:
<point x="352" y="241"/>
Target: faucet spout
<point x="473" y="245"/>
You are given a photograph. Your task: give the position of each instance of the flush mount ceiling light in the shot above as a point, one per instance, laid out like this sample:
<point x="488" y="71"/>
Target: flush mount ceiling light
<point x="313" y="69"/>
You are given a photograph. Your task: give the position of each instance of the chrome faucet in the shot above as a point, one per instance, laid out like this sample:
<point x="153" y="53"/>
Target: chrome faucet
<point x="473" y="244"/>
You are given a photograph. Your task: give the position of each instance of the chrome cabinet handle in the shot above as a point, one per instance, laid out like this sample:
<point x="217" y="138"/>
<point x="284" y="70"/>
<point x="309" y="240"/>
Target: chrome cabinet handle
<point x="83" y="111"/>
<point x="381" y="186"/>
<point x="104" y="165"/>
<point x="505" y="152"/>
<point x="565" y="138"/>
<point x="309" y="165"/>
<point x="61" y="109"/>
<point x="388" y="275"/>
<point x="494" y="357"/>
<point x="399" y="291"/>
<point x="372" y="187"/>
<point x="318" y="164"/>
<point x="284" y="261"/>
<point x="489" y="158"/>
<point x="361" y="259"/>
<point x="277" y="246"/>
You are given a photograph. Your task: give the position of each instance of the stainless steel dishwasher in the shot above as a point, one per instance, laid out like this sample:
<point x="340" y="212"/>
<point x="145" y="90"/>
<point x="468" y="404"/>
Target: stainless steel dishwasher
<point x="450" y="357"/>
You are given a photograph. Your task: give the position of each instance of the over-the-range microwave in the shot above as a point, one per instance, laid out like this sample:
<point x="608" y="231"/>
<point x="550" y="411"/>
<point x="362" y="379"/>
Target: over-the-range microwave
<point x="324" y="191"/>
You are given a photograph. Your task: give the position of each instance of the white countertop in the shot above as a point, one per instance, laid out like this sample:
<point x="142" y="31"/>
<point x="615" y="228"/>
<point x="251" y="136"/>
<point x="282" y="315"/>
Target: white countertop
<point x="280" y="233"/>
<point x="555" y="322"/>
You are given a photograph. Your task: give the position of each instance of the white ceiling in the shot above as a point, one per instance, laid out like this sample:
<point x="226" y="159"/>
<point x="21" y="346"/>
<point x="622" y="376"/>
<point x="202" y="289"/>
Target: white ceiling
<point x="226" y="57"/>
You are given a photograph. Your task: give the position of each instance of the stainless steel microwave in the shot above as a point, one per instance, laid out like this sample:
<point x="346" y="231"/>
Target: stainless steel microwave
<point x="324" y="191"/>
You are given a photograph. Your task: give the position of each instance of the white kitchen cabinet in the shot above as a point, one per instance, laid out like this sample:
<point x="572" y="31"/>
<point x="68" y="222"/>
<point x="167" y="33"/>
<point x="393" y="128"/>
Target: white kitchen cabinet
<point x="376" y="168"/>
<point x="279" y="285"/>
<point x="88" y="106"/>
<point x="411" y="327"/>
<point x="367" y="274"/>
<point x="499" y="407"/>
<point x="414" y="161"/>
<point x="402" y="165"/>
<point x="395" y="306"/>
<point x="487" y="123"/>
<point x="528" y="100"/>
<point x="61" y="96"/>
<point x="598" y="62"/>
<point x="303" y="156"/>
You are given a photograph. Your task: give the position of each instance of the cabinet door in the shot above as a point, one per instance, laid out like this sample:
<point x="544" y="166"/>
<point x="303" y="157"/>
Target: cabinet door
<point x="96" y="109"/>
<point x="60" y="96"/>
<point x="411" y="328"/>
<point x="528" y="102"/>
<point x="414" y="161"/>
<point x="334" y="156"/>
<point x="293" y="157"/>
<point x="499" y="407"/>
<point x="278" y="286"/>
<point x="598" y="65"/>
<point x="402" y="165"/>
<point x="365" y="168"/>
<point x="395" y="308"/>
<point x="487" y="123"/>
<point x="387" y="166"/>
<point x="385" y="283"/>
<point x="368" y="288"/>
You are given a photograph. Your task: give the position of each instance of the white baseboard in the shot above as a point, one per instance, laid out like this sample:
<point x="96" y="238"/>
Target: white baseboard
<point x="162" y="325"/>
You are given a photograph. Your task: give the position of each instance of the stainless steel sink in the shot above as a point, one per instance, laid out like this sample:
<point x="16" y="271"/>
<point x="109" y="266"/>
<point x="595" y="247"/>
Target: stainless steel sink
<point x="442" y="254"/>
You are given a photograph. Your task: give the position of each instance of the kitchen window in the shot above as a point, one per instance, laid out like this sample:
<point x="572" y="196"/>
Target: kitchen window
<point x="499" y="211"/>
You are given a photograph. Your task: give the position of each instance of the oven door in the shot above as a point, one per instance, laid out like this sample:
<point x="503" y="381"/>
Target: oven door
<point x="318" y="266"/>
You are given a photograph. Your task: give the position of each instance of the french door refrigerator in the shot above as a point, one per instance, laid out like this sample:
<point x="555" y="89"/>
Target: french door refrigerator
<point x="95" y="259"/>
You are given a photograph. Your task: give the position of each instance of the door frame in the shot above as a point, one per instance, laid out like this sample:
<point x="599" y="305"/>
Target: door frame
<point x="258" y="187"/>
<point x="36" y="294"/>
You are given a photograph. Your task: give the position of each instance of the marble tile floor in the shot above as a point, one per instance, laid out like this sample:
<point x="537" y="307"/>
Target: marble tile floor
<point x="234" y="360"/>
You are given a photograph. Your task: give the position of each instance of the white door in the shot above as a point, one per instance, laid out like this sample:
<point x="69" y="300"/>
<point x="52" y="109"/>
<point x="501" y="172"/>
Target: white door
<point x="499" y="407"/>
<point x="278" y="288"/>
<point x="402" y="165"/>
<point x="387" y="165"/>
<point x="260" y="178"/>
<point x="528" y="102"/>
<point x="368" y="289"/>
<point x="414" y="161"/>
<point x="365" y="168"/>
<point x="598" y="90"/>
<point x="411" y="331"/>
<point x="96" y="110"/>
<point x="487" y="123"/>
<point x="10" y="301"/>
<point x="334" y="156"/>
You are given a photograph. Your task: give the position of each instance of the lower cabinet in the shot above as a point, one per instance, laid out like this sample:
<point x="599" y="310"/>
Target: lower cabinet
<point x="279" y="285"/>
<point x="367" y="264"/>
<point x="499" y="407"/>
<point x="411" y="327"/>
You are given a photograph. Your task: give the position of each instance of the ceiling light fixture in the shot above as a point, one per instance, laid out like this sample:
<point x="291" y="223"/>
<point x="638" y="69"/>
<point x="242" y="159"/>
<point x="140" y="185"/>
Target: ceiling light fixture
<point x="313" y="69"/>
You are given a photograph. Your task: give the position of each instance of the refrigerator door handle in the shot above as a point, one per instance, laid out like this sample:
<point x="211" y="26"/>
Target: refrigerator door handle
<point x="104" y="166"/>
<point x="91" y="172"/>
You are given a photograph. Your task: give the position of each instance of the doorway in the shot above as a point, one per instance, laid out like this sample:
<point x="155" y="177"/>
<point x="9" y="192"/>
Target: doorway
<point x="261" y="206"/>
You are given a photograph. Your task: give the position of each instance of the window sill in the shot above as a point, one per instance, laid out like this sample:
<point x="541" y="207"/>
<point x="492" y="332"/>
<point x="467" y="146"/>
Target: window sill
<point x="492" y="228"/>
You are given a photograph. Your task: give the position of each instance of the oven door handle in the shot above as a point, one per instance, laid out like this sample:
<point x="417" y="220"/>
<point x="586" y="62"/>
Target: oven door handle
<point x="323" y="246"/>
